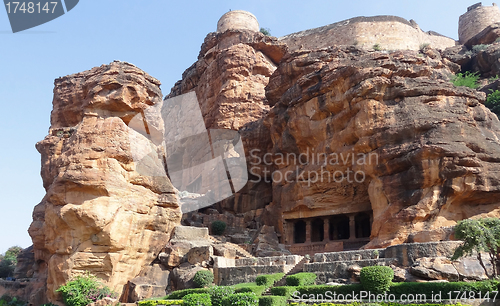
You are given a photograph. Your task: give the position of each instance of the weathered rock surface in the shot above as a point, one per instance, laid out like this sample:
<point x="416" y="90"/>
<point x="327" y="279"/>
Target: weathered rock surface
<point x="183" y="275"/>
<point x="442" y="268"/>
<point x="487" y="61"/>
<point x="436" y="146"/>
<point x="99" y="214"/>
<point x="486" y="36"/>
<point x="25" y="263"/>
<point x="267" y="244"/>
<point x="229" y="78"/>
<point x="151" y="282"/>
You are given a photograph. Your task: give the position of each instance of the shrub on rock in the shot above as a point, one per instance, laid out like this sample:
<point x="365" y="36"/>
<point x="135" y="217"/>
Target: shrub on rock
<point x="84" y="290"/>
<point x="203" y="278"/>
<point x="218" y="227"/>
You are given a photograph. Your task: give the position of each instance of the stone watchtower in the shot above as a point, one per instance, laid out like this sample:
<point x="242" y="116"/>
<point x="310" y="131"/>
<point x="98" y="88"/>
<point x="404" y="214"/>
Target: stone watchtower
<point x="238" y="20"/>
<point x="477" y="18"/>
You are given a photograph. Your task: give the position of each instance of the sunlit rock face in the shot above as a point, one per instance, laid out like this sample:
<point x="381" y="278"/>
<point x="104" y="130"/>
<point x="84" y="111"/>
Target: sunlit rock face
<point x="100" y="214"/>
<point x="426" y="153"/>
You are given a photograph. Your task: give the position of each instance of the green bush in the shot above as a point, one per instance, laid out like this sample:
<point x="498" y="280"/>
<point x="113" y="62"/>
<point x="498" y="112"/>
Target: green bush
<point x="479" y="48"/>
<point x="424" y="46"/>
<point x="7" y="268"/>
<point x="7" y="300"/>
<point x="179" y="294"/>
<point x="467" y="79"/>
<point x="377" y="47"/>
<point x="265" y="31"/>
<point x="218" y="227"/>
<point x="84" y="290"/>
<point x="240" y="299"/>
<point x="240" y="285"/>
<point x="376" y="279"/>
<point x="217" y="293"/>
<point x="258" y="290"/>
<point x="285" y="291"/>
<point x="197" y="299"/>
<point x="203" y="278"/>
<point x="446" y="289"/>
<point x="272" y="301"/>
<point x="301" y="279"/>
<point x="397" y="289"/>
<point x="160" y="302"/>
<point x="268" y="280"/>
<point x="322" y="289"/>
<point x="493" y="102"/>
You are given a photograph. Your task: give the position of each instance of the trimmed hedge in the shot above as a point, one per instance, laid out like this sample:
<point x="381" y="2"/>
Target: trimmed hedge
<point x="285" y="291"/>
<point x="373" y="304"/>
<point x="197" y="299"/>
<point x="203" y="278"/>
<point x="258" y="290"/>
<point x="396" y="288"/>
<point x="322" y="289"/>
<point x="179" y="294"/>
<point x="376" y="279"/>
<point x="241" y="299"/>
<point x="272" y="301"/>
<point x="268" y="280"/>
<point x="446" y="289"/>
<point x="301" y="279"/>
<point x="160" y="302"/>
<point x="218" y="293"/>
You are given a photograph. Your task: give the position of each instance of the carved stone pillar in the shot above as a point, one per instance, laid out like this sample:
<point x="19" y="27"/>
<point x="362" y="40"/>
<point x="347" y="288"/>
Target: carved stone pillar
<point x="289" y="232"/>
<point x="352" y="227"/>
<point x="308" y="231"/>
<point x="326" y="228"/>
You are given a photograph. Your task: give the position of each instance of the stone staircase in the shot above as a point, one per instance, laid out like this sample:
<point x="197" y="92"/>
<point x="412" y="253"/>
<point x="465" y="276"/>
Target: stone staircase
<point x="240" y="252"/>
<point x="341" y="265"/>
<point x="298" y="267"/>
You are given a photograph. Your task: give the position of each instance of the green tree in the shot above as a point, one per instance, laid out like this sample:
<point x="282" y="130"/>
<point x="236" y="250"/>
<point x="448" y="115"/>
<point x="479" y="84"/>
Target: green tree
<point x="8" y="261"/>
<point x="493" y="102"/>
<point x="265" y="31"/>
<point x="482" y="235"/>
<point x="12" y="253"/>
<point x="6" y="268"/>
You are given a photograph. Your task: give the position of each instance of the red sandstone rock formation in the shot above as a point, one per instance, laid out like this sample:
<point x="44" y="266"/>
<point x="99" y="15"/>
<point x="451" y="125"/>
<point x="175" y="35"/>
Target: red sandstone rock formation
<point x="99" y="214"/>
<point x="229" y="78"/>
<point x="437" y="145"/>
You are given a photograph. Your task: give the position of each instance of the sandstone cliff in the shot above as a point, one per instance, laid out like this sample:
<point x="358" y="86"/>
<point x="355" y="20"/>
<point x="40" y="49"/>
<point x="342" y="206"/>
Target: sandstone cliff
<point x="327" y="132"/>
<point x="436" y="145"/>
<point x="99" y="214"/>
<point x="229" y="78"/>
<point x="432" y="145"/>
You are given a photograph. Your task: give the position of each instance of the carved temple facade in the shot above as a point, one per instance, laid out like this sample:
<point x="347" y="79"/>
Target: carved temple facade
<point x="333" y="233"/>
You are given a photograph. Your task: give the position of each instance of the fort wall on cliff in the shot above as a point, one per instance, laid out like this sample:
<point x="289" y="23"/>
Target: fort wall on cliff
<point x="476" y="19"/>
<point x="388" y="32"/>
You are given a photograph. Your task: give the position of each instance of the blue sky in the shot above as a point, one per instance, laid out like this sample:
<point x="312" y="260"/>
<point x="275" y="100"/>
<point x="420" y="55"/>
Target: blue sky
<point x="161" y="37"/>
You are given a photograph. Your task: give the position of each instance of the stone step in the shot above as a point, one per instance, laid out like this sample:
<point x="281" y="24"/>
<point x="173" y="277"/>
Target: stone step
<point x="349" y="255"/>
<point x="239" y="250"/>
